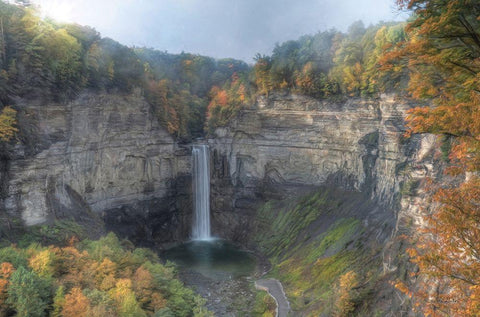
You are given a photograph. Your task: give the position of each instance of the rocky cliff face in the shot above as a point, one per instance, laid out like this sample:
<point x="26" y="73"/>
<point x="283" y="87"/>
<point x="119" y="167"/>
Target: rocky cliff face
<point x="108" y="155"/>
<point x="105" y="154"/>
<point x="295" y="140"/>
<point x="285" y="143"/>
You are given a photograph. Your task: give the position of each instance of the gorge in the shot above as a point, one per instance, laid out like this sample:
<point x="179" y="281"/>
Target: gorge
<point x="118" y="163"/>
<point x="342" y="169"/>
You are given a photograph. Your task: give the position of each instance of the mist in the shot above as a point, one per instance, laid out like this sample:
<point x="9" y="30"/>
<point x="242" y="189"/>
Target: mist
<point x="218" y="28"/>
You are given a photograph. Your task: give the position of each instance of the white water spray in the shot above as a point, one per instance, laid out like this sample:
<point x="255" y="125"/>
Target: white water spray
<point x="201" y="192"/>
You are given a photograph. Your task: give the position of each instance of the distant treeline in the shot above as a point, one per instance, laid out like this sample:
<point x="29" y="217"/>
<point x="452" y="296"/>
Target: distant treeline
<point x="48" y="61"/>
<point x="333" y="63"/>
<point x="191" y="94"/>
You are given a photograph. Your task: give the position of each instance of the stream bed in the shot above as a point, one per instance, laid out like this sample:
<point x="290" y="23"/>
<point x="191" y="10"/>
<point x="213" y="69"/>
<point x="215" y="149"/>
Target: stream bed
<point x="219" y="271"/>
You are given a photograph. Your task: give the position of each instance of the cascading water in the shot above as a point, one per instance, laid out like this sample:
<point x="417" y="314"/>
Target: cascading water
<point x="201" y="192"/>
<point x="214" y="261"/>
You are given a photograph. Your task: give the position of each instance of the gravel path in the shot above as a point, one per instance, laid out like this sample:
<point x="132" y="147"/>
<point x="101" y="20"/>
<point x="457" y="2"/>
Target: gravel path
<point x="275" y="289"/>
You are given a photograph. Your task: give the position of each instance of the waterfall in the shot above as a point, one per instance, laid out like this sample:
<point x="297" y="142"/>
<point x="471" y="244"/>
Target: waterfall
<point x="201" y="192"/>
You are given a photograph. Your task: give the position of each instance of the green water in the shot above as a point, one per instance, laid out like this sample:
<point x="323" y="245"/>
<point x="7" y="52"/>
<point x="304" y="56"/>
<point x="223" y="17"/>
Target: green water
<point x="216" y="259"/>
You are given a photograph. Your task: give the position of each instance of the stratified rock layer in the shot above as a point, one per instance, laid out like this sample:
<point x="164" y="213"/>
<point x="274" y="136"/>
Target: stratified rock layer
<point x="101" y="153"/>
<point x="107" y="154"/>
<point x="285" y="143"/>
<point x="296" y="141"/>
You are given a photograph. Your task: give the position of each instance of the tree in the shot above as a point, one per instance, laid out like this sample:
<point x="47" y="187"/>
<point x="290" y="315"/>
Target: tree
<point x="93" y="61"/>
<point x="7" y="123"/>
<point x="124" y="297"/>
<point x="200" y="310"/>
<point x="388" y="77"/>
<point x="102" y="305"/>
<point x="6" y="270"/>
<point x="310" y="81"/>
<point x="76" y="304"/>
<point x="28" y="294"/>
<point x="261" y="69"/>
<point x="285" y="61"/>
<point x="145" y="290"/>
<point x="104" y="274"/>
<point x="63" y="53"/>
<point x="346" y="294"/>
<point x="58" y="302"/>
<point x="43" y="263"/>
<point x="448" y="254"/>
<point x="442" y="54"/>
<point x="349" y="60"/>
<point x="102" y="278"/>
<point x="159" y="94"/>
<point x="227" y="101"/>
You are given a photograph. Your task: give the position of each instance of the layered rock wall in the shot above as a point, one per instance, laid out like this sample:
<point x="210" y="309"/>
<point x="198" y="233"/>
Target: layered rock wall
<point x="107" y="154"/>
<point x="294" y="140"/>
<point x="99" y="153"/>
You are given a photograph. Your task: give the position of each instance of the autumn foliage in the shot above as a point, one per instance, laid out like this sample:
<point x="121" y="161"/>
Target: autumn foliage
<point x="6" y="270"/>
<point x="7" y="123"/>
<point x="225" y="102"/>
<point x="331" y="63"/>
<point x="448" y="254"/>
<point x="93" y="278"/>
<point x="76" y="304"/>
<point x="346" y="293"/>
<point x="442" y="57"/>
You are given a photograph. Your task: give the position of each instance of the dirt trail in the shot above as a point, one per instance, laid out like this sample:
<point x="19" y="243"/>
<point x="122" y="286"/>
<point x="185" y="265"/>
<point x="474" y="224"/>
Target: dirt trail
<point x="275" y="289"/>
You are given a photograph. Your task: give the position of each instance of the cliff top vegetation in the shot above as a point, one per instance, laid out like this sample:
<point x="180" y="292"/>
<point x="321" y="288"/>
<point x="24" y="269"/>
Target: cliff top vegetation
<point x="191" y="94"/>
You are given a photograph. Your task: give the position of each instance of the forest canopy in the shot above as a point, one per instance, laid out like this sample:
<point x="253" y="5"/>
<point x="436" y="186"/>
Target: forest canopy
<point x="50" y="61"/>
<point x="332" y="63"/>
<point x="191" y="94"/>
<point x="107" y="277"/>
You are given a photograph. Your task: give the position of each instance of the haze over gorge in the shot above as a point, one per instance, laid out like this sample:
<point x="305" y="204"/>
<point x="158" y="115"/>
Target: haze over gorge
<point x="337" y="176"/>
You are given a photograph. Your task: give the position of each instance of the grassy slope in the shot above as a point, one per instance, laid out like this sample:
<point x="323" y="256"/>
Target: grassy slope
<point x="327" y="260"/>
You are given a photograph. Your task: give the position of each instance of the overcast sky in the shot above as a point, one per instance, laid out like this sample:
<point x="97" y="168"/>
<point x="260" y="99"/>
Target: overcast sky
<point x="218" y="28"/>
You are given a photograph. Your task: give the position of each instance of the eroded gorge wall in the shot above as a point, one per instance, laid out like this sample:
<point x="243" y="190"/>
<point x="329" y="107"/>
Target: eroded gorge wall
<point x="104" y="154"/>
<point x="289" y="140"/>
<point x="107" y="154"/>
